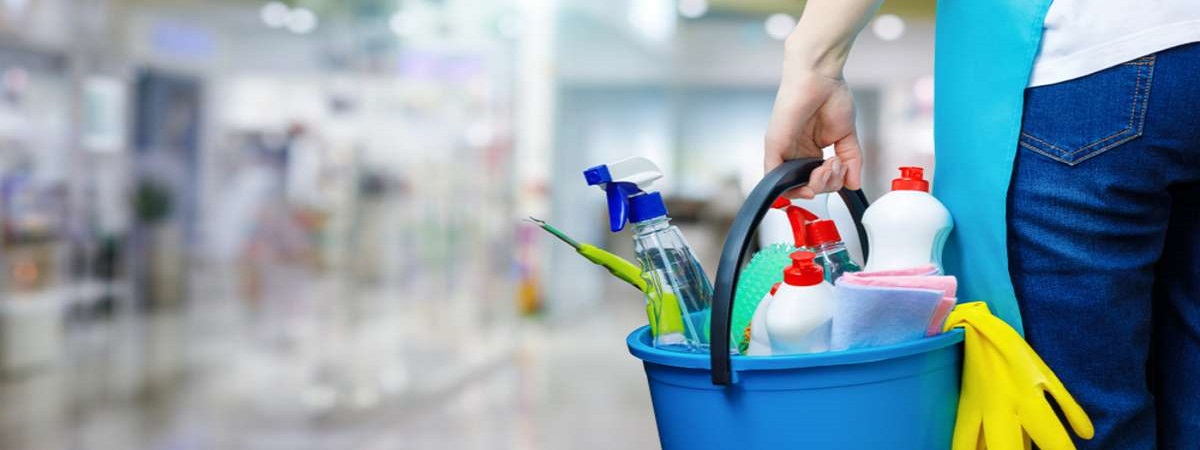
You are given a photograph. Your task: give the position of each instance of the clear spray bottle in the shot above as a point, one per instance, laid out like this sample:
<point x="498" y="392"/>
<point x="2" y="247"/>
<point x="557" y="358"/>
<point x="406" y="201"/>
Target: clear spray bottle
<point x="679" y="293"/>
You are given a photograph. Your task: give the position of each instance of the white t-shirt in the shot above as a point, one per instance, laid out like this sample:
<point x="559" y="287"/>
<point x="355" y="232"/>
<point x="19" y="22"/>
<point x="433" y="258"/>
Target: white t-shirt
<point x="1081" y="37"/>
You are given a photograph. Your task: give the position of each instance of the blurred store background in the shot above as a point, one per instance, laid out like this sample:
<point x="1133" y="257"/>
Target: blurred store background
<point x="298" y="225"/>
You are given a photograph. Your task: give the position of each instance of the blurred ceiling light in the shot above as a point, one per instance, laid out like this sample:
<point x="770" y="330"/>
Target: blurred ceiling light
<point x="275" y="14"/>
<point x="302" y="21"/>
<point x="780" y="25"/>
<point x="888" y="27"/>
<point x="693" y="9"/>
<point x="653" y="19"/>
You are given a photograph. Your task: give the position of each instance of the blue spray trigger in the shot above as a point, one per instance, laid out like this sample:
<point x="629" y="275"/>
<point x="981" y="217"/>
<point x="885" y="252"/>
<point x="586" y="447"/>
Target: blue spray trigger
<point x="618" y="203"/>
<point x="623" y="182"/>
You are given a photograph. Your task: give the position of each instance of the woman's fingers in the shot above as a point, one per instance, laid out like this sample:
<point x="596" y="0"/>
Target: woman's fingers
<point x="803" y="192"/>
<point x="817" y="181"/>
<point x="837" y="174"/>
<point x="850" y="154"/>
<point x="771" y="159"/>
<point x="820" y="179"/>
<point x="826" y="178"/>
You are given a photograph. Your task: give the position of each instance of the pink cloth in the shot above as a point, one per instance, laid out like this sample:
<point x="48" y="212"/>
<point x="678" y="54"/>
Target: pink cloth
<point x="928" y="269"/>
<point x="923" y="277"/>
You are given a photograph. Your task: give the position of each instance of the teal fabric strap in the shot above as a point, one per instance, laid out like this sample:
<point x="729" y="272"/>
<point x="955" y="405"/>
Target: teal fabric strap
<point x="984" y="55"/>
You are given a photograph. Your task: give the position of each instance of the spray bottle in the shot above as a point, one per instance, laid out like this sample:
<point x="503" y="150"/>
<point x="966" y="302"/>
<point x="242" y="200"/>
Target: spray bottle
<point x="669" y="265"/>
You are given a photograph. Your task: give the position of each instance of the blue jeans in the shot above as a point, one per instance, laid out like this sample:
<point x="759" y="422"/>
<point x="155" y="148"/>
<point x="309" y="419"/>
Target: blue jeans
<point x="1104" y="245"/>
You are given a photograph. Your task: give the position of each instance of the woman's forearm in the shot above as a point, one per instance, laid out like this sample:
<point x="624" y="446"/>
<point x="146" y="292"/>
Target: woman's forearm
<point x="825" y="33"/>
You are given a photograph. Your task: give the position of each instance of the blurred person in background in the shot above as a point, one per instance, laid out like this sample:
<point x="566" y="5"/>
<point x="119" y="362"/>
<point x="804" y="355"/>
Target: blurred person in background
<point x="1068" y="152"/>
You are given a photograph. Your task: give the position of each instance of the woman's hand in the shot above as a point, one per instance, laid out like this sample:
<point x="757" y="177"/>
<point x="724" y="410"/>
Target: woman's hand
<point x="814" y="108"/>
<point x="813" y="111"/>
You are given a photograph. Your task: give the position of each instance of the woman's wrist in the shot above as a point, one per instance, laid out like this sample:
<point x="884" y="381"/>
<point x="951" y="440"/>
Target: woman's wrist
<point x="821" y="41"/>
<point x="825" y="58"/>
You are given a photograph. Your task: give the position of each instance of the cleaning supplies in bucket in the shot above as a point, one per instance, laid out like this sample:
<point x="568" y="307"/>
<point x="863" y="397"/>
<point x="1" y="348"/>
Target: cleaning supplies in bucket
<point x="668" y="264"/>
<point x="765" y="270"/>
<point x="907" y="227"/>
<point x="668" y="327"/>
<point x="908" y="300"/>
<point x="798" y="317"/>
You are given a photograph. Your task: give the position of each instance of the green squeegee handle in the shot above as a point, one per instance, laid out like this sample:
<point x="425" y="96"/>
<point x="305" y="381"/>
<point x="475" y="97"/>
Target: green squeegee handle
<point x="785" y="177"/>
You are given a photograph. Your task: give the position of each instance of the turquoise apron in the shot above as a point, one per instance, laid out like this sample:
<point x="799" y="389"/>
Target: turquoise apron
<point x="985" y="51"/>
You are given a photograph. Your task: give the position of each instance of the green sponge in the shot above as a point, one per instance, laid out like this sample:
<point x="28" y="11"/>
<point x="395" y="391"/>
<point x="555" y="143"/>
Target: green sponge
<point x="764" y="270"/>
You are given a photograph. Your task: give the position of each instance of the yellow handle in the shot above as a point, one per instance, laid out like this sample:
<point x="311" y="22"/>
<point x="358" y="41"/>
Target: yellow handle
<point x="666" y="308"/>
<point x="616" y="265"/>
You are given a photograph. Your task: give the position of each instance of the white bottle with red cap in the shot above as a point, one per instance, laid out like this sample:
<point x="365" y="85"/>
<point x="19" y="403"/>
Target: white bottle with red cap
<point x="799" y="318"/>
<point x="906" y="227"/>
<point x="760" y="343"/>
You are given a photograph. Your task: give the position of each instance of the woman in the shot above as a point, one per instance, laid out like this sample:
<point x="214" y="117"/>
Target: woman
<point x="1068" y="151"/>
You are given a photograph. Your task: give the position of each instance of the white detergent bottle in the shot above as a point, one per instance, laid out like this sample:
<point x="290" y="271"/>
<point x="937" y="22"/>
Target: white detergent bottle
<point x="800" y="316"/>
<point x="760" y="343"/>
<point x="907" y="227"/>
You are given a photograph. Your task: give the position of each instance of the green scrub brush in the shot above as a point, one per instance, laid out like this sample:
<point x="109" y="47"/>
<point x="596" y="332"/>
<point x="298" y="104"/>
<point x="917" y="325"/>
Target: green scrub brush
<point x="764" y="270"/>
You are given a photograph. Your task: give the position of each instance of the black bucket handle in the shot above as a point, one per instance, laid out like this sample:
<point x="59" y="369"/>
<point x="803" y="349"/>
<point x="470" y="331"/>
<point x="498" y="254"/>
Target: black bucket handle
<point x="787" y="176"/>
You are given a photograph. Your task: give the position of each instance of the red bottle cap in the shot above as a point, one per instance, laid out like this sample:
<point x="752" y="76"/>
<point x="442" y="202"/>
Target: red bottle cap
<point x="911" y="179"/>
<point x="803" y="272"/>
<point x="822" y="232"/>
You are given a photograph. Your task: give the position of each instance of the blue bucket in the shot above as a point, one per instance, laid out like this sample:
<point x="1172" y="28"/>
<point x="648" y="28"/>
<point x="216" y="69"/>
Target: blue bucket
<point x="894" y="397"/>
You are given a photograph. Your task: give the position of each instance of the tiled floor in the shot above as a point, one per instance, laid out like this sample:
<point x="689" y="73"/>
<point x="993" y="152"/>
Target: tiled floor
<point x="375" y="370"/>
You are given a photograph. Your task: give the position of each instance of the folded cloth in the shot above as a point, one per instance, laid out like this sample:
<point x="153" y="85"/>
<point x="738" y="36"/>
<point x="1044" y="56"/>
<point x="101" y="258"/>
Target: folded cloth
<point x="869" y="316"/>
<point x="923" y="277"/>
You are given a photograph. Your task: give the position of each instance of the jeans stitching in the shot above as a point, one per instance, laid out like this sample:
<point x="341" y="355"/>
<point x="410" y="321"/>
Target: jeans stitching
<point x="1044" y="153"/>
<point x="1100" y="141"/>
<point x="1139" y="101"/>
<point x="1104" y="140"/>
<point x="1101" y="151"/>
<point x="1145" y="95"/>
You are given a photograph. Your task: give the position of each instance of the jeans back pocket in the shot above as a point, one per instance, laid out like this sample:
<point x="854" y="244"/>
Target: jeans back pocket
<point x="1082" y="118"/>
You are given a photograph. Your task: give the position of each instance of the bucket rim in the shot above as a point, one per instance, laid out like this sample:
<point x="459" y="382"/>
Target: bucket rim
<point x="638" y="342"/>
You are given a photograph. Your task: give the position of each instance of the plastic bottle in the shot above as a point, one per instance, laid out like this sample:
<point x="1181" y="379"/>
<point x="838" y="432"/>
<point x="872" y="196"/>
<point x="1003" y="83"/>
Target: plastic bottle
<point x="668" y="264"/>
<point x="760" y="343"/>
<point x="825" y="241"/>
<point x="907" y="227"/>
<point x="799" y="318"/>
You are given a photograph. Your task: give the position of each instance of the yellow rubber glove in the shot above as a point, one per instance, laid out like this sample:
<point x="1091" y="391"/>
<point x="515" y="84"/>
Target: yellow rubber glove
<point x="968" y="426"/>
<point x="1003" y="402"/>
